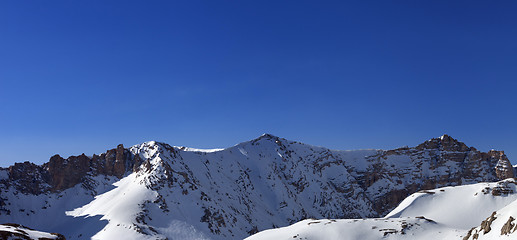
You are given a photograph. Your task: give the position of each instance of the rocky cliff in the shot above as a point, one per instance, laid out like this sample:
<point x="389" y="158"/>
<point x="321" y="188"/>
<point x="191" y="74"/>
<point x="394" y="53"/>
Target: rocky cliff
<point x="232" y="193"/>
<point x="59" y="174"/>
<point x="435" y="163"/>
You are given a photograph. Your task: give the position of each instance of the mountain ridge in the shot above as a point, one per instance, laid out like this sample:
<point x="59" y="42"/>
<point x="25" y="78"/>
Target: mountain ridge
<point x="235" y="192"/>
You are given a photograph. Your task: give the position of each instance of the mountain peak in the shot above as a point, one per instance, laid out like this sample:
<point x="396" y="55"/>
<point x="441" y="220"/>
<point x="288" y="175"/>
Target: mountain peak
<point x="445" y="136"/>
<point x="444" y="143"/>
<point x="268" y="135"/>
<point x="255" y="185"/>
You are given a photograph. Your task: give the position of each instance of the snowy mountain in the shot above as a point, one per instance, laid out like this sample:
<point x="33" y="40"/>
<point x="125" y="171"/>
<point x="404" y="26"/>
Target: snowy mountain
<point x="157" y="191"/>
<point x="460" y="207"/>
<point x="444" y="213"/>
<point x="499" y="224"/>
<point x="19" y="232"/>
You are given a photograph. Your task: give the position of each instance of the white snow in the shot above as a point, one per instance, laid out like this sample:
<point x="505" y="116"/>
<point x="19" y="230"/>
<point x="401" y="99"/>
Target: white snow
<point x="46" y="212"/>
<point x="189" y="149"/>
<point x="363" y="229"/>
<point x="183" y="193"/>
<point x="502" y="216"/>
<point x="119" y="206"/>
<point x="181" y="230"/>
<point x="451" y="212"/>
<point x="461" y="207"/>
<point x="32" y="234"/>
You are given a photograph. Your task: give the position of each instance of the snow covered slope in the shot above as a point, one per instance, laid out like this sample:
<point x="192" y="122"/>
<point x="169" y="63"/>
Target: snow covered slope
<point x="444" y="213"/>
<point x="361" y="229"/>
<point x="500" y="224"/>
<point x="460" y="207"/>
<point x="47" y="211"/>
<point x="156" y="191"/>
<point x="19" y="232"/>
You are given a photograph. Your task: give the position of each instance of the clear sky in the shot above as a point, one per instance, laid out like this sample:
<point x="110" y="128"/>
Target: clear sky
<point x="84" y="76"/>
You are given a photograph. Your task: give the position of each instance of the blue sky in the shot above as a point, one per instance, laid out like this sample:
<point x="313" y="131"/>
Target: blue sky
<point x="84" y="76"/>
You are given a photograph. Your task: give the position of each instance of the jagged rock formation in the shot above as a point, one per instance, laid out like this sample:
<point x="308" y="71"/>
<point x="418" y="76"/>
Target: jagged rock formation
<point x="435" y="163"/>
<point x="232" y="193"/>
<point x="60" y="174"/>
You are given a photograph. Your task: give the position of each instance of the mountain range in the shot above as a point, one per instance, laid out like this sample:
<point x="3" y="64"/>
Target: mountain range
<point x="157" y="191"/>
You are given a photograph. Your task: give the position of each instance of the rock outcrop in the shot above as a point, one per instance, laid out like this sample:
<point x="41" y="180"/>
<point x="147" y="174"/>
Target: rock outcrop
<point x="59" y="173"/>
<point x="435" y="163"/>
<point x="27" y="177"/>
<point x="264" y="183"/>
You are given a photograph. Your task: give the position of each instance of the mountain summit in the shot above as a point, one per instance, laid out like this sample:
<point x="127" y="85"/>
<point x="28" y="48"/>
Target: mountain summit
<point x="444" y="143"/>
<point x="157" y="191"/>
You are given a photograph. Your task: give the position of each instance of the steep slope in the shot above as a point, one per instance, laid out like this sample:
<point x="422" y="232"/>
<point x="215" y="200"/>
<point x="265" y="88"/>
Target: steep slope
<point x="435" y="163"/>
<point x="163" y="192"/>
<point x="501" y="224"/>
<point x="221" y="194"/>
<point x="460" y="207"/>
<point x="444" y="213"/>
<point x="46" y="211"/>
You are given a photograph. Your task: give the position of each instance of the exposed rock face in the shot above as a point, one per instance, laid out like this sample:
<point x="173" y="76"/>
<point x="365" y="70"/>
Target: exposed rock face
<point x="486" y="224"/>
<point x="508" y="226"/>
<point x="59" y="173"/>
<point x="66" y="173"/>
<point x="503" y="169"/>
<point x="269" y="181"/>
<point x="116" y="162"/>
<point x="27" y="177"/>
<point x="444" y="143"/>
<point x="435" y="163"/>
